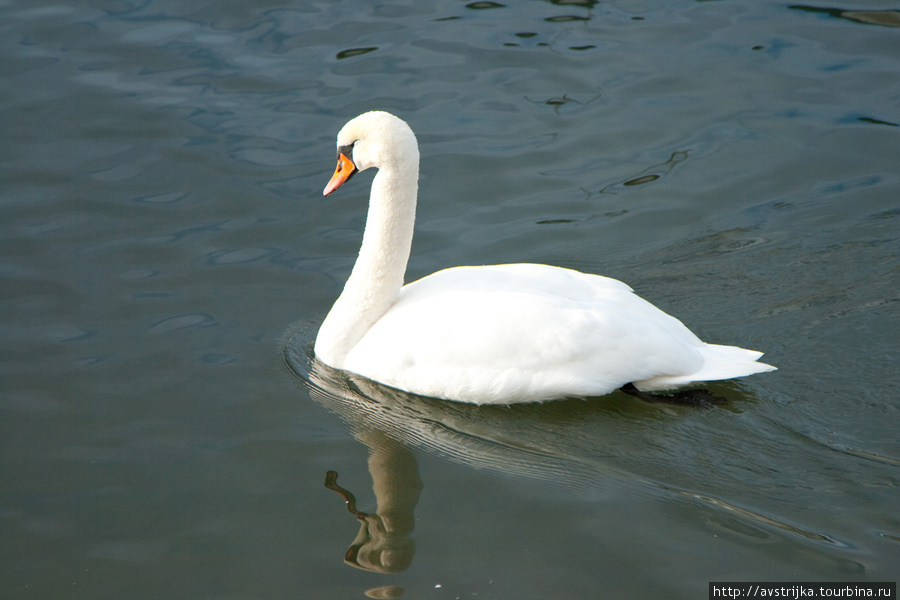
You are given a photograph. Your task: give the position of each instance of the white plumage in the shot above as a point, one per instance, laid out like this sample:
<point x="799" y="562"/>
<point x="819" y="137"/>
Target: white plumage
<point x="494" y="334"/>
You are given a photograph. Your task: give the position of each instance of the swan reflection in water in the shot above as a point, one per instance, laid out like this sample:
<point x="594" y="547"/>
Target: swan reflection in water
<point x="596" y="448"/>
<point x="390" y="423"/>
<point x="574" y="444"/>
<point x="384" y="543"/>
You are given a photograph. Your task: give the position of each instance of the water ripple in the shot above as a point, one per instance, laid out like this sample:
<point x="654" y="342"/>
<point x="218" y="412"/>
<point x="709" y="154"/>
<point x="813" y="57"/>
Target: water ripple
<point x="243" y="255"/>
<point x="184" y="321"/>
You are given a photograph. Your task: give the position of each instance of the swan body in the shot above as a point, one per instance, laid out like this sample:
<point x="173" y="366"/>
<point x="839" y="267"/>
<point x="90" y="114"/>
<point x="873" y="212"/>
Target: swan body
<point x="497" y="334"/>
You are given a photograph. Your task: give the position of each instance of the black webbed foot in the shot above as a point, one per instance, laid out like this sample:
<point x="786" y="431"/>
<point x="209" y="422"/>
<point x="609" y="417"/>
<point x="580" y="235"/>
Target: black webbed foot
<point x="696" y="398"/>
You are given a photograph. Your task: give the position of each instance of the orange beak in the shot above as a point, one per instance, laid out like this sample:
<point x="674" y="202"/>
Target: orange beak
<point x="344" y="171"/>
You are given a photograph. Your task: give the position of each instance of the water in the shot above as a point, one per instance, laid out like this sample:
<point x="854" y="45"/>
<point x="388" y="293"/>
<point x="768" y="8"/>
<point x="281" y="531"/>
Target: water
<point x="167" y="256"/>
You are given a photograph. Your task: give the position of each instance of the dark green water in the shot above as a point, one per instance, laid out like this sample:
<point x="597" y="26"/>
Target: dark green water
<point x="166" y="257"/>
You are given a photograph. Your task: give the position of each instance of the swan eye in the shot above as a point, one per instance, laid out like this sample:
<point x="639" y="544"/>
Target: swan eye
<point x="347" y="151"/>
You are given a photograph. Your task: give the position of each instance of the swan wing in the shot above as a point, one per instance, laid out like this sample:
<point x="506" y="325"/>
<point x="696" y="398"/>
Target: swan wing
<point x="517" y="333"/>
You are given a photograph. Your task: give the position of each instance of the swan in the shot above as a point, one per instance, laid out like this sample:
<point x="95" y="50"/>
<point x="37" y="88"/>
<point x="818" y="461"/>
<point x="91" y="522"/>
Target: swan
<point x="499" y="334"/>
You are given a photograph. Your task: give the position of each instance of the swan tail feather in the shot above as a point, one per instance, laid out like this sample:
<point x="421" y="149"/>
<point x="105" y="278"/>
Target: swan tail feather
<point x="721" y="362"/>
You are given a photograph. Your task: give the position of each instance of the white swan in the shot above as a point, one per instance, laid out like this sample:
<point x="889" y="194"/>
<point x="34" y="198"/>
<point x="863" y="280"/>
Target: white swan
<point x="494" y="334"/>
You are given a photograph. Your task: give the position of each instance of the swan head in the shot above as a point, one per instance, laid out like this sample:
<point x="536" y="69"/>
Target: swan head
<point x="373" y="139"/>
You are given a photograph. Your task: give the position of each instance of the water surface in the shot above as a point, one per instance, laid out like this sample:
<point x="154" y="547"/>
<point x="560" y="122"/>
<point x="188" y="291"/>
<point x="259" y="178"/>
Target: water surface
<point x="167" y="257"/>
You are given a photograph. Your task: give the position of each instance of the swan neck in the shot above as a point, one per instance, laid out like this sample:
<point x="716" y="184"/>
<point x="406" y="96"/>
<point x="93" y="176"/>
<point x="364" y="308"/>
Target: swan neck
<point x="377" y="276"/>
<point x="380" y="267"/>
